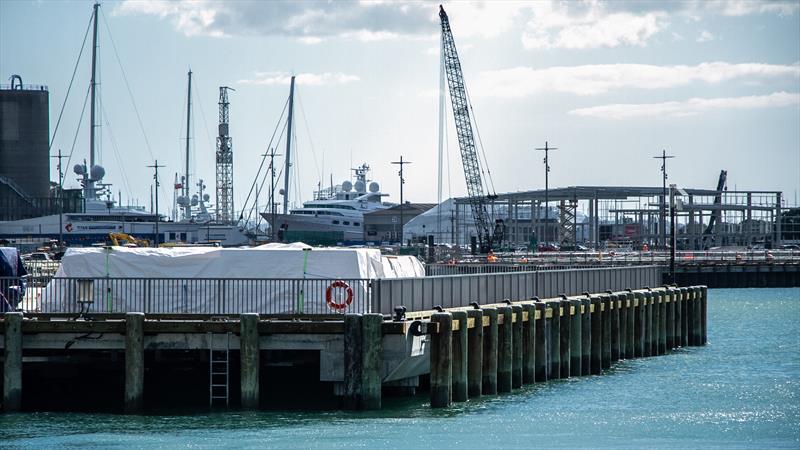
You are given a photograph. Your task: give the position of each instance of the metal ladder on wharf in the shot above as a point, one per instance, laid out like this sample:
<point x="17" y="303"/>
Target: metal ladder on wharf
<point x="219" y="368"/>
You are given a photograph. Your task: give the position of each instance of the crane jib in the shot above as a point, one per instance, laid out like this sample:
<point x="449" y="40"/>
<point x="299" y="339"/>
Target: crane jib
<point x="466" y="139"/>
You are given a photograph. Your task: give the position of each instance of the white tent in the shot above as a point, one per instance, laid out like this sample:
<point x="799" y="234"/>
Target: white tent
<point x="272" y="278"/>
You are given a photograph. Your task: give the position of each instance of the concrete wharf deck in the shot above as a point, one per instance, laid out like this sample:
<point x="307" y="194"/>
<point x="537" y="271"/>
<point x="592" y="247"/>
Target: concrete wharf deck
<point x="463" y="351"/>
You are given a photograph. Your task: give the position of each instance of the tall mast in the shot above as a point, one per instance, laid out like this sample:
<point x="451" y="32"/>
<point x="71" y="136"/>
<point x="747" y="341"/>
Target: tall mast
<point x="90" y="193"/>
<point x="288" y="149"/>
<point x="187" y="208"/>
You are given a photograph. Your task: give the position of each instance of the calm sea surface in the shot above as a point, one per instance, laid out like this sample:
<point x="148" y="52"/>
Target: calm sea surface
<point x="742" y="390"/>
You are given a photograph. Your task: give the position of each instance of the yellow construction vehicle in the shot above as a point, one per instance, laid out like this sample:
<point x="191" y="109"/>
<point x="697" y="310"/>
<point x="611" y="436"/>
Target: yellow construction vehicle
<point x="126" y="240"/>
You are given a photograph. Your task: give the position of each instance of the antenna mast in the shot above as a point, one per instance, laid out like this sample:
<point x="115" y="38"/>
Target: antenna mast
<point x="224" y="205"/>
<point x="187" y="207"/>
<point x="89" y="191"/>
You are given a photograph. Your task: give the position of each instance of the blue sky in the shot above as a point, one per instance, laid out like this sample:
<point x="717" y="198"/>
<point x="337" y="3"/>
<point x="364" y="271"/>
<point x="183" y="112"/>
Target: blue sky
<point x="611" y="84"/>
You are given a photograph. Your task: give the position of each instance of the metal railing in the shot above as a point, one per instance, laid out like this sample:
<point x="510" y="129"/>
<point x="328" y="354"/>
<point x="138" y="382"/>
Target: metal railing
<point x="449" y="291"/>
<point x="622" y="258"/>
<point x="192" y="296"/>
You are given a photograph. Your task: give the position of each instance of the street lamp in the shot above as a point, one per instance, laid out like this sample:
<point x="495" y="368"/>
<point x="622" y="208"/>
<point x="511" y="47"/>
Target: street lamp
<point x="546" y="150"/>
<point x="402" y="182"/>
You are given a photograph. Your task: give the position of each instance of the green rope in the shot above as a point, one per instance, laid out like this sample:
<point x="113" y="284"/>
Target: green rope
<point x="301" y="297"/>
<point x="109" y="302"/>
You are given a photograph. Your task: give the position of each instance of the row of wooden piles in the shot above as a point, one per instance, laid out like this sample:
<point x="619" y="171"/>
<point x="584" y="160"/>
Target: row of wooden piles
<point x="496" y="348"/>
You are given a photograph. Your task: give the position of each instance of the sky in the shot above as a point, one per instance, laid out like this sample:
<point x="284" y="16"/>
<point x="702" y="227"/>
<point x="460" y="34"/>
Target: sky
<point x="610" y="84"/>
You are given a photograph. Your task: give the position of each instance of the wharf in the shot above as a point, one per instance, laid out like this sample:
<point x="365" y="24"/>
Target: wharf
<point x="231" y="359"/>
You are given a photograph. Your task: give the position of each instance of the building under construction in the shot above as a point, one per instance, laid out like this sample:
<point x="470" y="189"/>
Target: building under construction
<point x="603" y="216"/>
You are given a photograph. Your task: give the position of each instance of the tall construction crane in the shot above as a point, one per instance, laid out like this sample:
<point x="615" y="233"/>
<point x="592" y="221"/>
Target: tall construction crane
<point x="466" y="141"/>
<point x="716" y="216"/>
<point x="224" y="205"/>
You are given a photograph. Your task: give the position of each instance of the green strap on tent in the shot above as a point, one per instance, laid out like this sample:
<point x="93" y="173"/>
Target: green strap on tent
<point x="301" y="297"/>
<point x="109" y="301"/>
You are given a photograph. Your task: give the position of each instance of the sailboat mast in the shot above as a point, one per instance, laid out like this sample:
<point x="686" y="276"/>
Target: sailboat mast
<point x="92" y="88"/>
<point x="288" y="149"/>
<point x="187" y="209"/>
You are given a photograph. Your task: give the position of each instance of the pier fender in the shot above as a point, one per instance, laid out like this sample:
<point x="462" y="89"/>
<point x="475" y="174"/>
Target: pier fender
<point x="339" y="284"/>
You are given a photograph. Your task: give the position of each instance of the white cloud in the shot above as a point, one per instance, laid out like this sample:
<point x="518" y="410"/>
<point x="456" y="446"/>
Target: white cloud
<point x="689" y="107"/>
<point x="601" y="78"/>
<point x="589" y="25"/>
<point x="745" y="7"/>
<point x="304" y="79"/>
<point x="705" y="36"/>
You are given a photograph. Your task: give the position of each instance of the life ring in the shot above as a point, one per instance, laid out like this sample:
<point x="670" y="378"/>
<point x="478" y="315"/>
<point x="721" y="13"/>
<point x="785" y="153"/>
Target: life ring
<point x="338" y="284"/>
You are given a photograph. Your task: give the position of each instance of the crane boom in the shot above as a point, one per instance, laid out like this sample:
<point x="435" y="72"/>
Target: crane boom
<point x="466" y="139"/>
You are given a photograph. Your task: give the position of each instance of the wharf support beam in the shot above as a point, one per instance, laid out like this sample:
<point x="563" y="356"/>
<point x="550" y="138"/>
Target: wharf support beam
<point x="12" y="366"/>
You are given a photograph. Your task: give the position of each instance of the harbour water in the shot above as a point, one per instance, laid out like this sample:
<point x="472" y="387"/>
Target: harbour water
<point x="742" y="390"/>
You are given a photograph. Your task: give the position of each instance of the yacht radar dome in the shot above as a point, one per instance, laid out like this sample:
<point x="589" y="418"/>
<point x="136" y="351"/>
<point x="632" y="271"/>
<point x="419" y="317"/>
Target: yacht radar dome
<point x="194" y="200"/>
<point x="360" y="186"/>
<point x="97" y="172"/>
<point x="206" y="197"/>
<point x="79" y="169"/>
<point x="182" y="200"/>
<point x="347" y="186"/>
<point x="374" y="187"/>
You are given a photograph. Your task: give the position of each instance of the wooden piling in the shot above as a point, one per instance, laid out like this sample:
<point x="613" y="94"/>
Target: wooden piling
<point x="685" y="317"/>
<point x="540" y="360"/>
<point x="662" y="334"/>
<point x="529" y="344"/>
<point x="134" y="362"/>
<point x="704" y="314"/>
<point x="249" y="352"/>
<point x="555" y="340"/>
<point x="690" y="316"/>
<point x="489" y="371"/>
<point x="622" y="301"/>
<point x="353" y="361"/>
<point x="697" y="329"/>
<point x="676" y="297"/>
<point x="441" y="355"/>
<point x="670" y="318"/>
<point x="371" y="354"/>
<point x="475" y="354"/>
<point x="606" y="320"/>
<point x="586" y="336"/>
<point x="639" y="324"/>
<point x="597" y="337"/>
<point x="516" y="345"/>
<point x="12" y="365"/>
<point x="505" y="349"/>
<point x="575" y="338"/>
<point x="460" y="357"/>
<point x="656" y="322"/>
<point x="565" y="346"/>
<point x="614" y="327"/>
<point x="648" y="324"/>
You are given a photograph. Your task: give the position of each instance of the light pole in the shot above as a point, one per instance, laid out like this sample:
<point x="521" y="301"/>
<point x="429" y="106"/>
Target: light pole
<point x="272" y="156"/>
<point x="546" y="149"/>
<point x="663" y="216"/>
<point x="402" y="182"/>
<point x="155" y="177"/>
<point x="60" y="199"/>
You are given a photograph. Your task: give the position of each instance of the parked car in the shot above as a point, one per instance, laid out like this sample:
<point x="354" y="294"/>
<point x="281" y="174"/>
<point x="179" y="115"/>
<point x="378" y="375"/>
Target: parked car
<point x="546" y="247"/>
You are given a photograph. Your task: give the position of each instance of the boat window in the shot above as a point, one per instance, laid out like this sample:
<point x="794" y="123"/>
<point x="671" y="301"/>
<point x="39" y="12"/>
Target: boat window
<point x="346" y="222"/>
<point x="356" y="224"/>
<point x="336" y="222"/>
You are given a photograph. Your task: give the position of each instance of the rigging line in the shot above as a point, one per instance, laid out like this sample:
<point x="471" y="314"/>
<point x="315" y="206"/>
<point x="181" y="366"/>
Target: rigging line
<point x="490" y="184"/>
<point x="264" y="157"/>
<point x="69" y="88"/>
<point x="115" y="148"/>
<point x="75" y="139"/>
<point x="128" y="87"/>
<point x="308" y="132"/>
<point x="297" y="172"/>
<point x="211" y="142"/>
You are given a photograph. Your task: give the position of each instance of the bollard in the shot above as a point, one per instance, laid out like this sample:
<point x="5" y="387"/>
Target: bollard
<point x="516" y="345"/>
<point x="555" y="340"/>
<point x="586" y="336"/>
<point x="249" y="352"/>
<point x="648" y="324"/>
<point x="134" y="362"/>
<point x="670" y="319"/>
<point x="490" y="353"/>
<point x="639" y="324"/>
<point x="662" y="316"/>
<point x="575" y="338"/>
<point x="460" y="350"/>
<point x="606" y="321"/>
<point x="684" y="317"/>
<point x="597" y="337"/>
<point x="505" y="349"/>
<point x="704" y="314"/>
<point x="442" y="361"/>
<point x="529" y="344"/>
<point x="564" y="323"/>
<point x="12" y="366"/>
<point x="540" y="359"/>
<point x="475" y="354"/>
<point x="371" y="353"/>
<point x="353" y="361"/>
<point x="614" y="327"/>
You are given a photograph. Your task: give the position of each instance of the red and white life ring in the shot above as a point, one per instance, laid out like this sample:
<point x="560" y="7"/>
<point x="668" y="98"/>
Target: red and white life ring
<point x="338" y="284"/>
